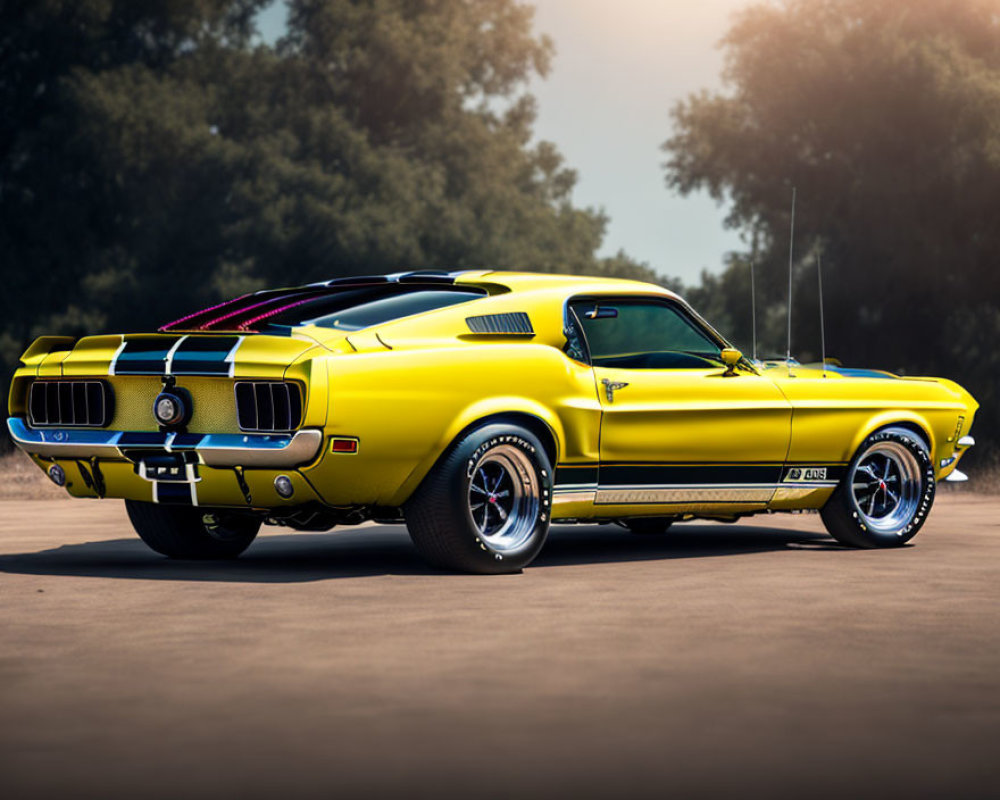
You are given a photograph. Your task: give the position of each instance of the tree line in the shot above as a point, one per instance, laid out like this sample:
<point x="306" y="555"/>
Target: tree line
<point x="885" y="117"/>
<point x="157" y="155"/>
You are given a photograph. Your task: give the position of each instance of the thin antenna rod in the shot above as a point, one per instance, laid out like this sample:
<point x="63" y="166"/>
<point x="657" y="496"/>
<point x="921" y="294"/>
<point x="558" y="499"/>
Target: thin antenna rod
<point x="791" y="247"/>
<point x="753" y="310"/>
<point x="822" y="324"/>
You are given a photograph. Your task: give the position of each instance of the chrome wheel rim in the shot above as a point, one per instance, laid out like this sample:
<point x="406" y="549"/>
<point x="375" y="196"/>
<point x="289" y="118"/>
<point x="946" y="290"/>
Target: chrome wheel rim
<point x="504" y="498"/>
<point x="886" y="487"/>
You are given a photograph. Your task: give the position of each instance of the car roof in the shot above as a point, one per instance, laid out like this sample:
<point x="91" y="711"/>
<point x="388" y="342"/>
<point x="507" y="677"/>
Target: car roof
<point x="582" y="284"/>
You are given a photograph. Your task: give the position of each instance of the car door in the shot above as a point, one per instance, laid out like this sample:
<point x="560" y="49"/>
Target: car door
<point x="677" y="426"/>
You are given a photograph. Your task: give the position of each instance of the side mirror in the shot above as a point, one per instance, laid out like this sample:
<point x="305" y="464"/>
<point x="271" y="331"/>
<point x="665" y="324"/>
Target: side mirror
<point x="730" y="357"/>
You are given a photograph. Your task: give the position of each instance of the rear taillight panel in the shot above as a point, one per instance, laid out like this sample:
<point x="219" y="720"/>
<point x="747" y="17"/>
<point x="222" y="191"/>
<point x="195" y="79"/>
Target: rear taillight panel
<point x="268" y="406"/>
<point x="70" y="404"/>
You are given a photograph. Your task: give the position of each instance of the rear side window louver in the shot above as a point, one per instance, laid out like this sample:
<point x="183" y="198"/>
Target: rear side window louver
<point x="515" y="323"/>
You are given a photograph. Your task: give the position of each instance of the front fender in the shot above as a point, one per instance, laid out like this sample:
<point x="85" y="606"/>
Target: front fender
<point x="886" y="419"/>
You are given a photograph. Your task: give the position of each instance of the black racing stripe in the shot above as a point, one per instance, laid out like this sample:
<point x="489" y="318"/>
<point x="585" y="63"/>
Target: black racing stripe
<point x="176" y="494"/>
<point x="688" y="474"/>
<point x="576" y="473"/>
<point x="144" y="357"/>
<point x="203" y="355"/>
<point x="185" y="441"/>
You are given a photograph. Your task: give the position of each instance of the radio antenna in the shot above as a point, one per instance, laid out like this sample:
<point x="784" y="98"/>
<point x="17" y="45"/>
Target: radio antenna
<point x="822" y="324"/>
<point x="753" y="310"/>
<point x="791" y="246"/>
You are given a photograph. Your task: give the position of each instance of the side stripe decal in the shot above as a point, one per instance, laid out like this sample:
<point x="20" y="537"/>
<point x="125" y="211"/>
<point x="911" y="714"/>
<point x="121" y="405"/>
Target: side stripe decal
<point x="695" y="474"/>
<point x="685" y="483"/>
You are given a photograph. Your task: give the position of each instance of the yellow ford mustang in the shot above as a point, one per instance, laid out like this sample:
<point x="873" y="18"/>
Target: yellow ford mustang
<point x="478" y="406"/>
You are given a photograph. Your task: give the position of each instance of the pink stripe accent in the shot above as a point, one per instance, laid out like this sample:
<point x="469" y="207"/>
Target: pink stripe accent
<point x="215" y="321"/>
<point x="246" y="324"/>
<point x="199" y="313"/>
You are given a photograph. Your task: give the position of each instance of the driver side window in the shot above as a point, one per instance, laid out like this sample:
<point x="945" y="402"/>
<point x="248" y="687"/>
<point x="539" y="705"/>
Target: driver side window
<point x="644" y="334"/>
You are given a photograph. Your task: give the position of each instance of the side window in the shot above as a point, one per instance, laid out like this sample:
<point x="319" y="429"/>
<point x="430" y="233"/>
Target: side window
<point x="642" y="334"/>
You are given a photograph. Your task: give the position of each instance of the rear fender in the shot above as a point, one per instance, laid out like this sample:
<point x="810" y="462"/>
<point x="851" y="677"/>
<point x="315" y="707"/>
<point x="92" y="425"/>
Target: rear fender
<point x="471" y="417"/>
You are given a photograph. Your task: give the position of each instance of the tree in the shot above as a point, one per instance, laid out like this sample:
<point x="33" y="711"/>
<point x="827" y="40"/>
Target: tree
<point x="886" y="118"/>
<point x="155" y="156"/>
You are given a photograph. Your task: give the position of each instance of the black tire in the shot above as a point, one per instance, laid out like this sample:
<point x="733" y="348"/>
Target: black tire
<point x="649" y="526"/>
<point x="448" y="528"/>
<point x="863" y="512"/>
<point x="194" y="533"/>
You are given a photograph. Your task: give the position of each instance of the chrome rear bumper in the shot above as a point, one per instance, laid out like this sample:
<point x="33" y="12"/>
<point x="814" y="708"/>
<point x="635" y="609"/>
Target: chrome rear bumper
<point x="213" y="449"/>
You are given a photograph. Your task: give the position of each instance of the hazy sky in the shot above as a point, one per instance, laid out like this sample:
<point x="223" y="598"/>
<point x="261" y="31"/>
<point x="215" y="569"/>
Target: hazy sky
<point x="619" y="67"/>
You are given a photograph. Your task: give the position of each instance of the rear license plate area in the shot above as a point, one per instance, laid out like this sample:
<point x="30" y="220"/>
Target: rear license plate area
<point x="166" y="467"/>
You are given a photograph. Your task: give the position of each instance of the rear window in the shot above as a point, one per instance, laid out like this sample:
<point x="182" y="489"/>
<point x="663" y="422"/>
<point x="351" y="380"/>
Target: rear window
<point x="353" y="310"/>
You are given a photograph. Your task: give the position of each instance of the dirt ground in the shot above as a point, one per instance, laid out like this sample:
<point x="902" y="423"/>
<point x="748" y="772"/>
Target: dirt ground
<point x="755" y="659"/>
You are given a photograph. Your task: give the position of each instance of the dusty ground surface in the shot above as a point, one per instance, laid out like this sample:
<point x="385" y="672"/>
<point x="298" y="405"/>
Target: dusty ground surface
<point x="755" y="659"/>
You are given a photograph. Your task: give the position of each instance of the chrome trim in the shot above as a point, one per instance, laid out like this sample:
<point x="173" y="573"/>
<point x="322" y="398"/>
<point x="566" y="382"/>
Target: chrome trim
<point x="801" y="491"/>
<point x="574" y="487"/>
<point x="686" y="494"/>
<point x="966" y="441"/>
<point x="610" y="387"/>
<point x="561" y="498"/>
<point x="957" y="477"/>
<point x="214" y="450"/>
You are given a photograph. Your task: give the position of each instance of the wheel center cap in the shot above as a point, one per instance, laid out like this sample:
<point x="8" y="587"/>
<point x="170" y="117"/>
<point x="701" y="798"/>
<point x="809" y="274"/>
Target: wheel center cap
<point x="493" y="498"/>
<point x="881" y="485"/>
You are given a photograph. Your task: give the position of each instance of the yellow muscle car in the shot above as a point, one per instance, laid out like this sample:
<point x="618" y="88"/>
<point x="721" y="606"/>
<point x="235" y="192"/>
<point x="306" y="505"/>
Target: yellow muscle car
<point x="479" y="407"/>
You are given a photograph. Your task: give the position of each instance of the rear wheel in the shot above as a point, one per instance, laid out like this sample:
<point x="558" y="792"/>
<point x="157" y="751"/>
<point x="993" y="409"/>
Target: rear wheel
<point x="649" y="526"/>
<point x="887" y="493"/>
<point x="197" y="533"/>
<point x="484" y="507"/>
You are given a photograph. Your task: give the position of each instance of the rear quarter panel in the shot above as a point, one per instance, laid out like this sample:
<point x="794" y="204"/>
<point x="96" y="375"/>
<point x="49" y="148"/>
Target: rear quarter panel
<point x="407" y="406"/>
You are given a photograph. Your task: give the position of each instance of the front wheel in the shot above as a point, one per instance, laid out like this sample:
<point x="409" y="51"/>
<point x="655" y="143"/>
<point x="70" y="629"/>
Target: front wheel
<point x="887" y="493"/>
<point x="485" y="505"/>
<point x="197" y="533"/>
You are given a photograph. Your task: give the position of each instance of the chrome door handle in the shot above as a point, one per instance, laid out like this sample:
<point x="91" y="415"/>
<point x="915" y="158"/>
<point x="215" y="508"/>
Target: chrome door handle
<point x="610" y="387"/>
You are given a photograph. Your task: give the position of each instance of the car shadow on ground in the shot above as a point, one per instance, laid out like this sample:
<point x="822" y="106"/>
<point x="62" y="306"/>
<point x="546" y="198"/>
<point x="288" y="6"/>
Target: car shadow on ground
<point x="387" y="550"/>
